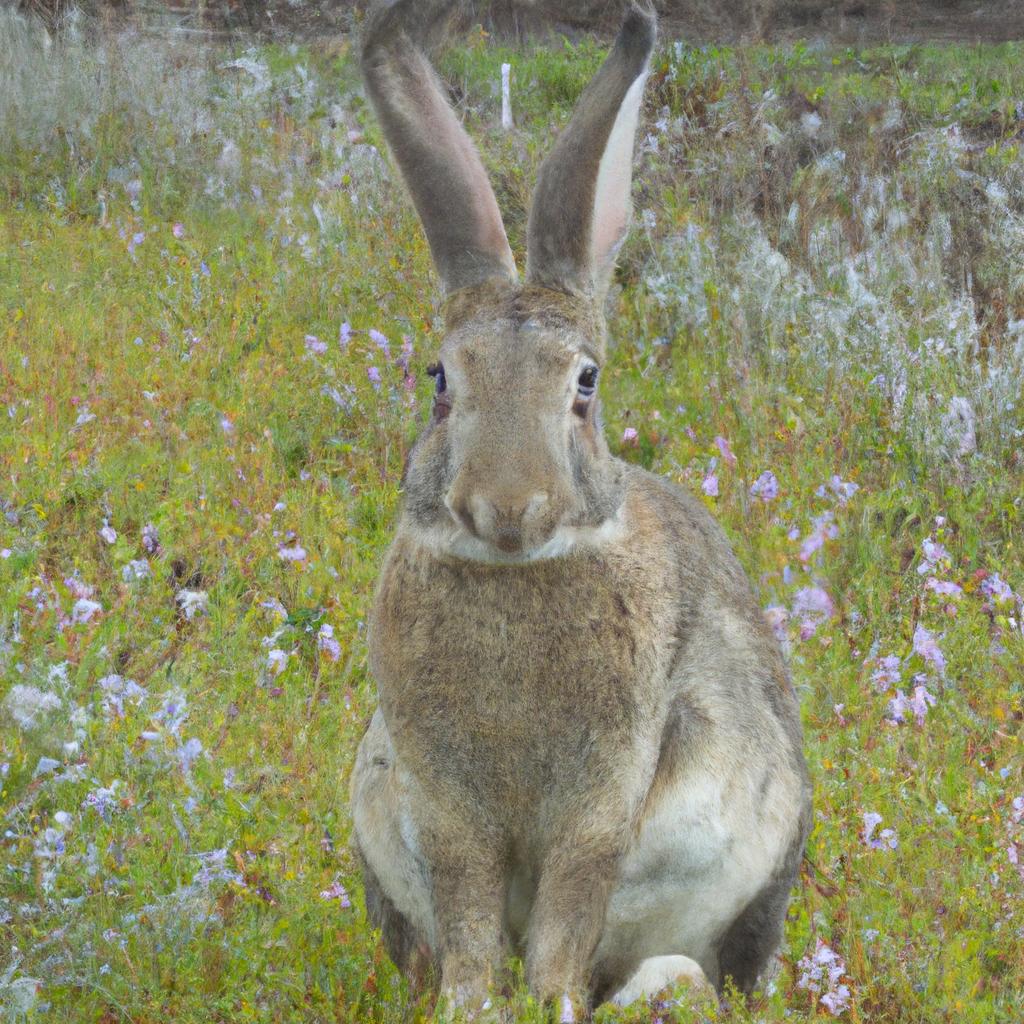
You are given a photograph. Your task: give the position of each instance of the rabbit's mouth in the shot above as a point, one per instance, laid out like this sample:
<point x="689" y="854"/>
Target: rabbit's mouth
<point x="453" y="540"/>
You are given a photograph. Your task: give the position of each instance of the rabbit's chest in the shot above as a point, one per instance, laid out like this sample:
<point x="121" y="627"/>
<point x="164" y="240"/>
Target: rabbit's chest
<point x="519" y="673"/>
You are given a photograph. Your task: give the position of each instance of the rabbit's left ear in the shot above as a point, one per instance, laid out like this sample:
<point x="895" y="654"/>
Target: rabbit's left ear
<point x="581" y="206"/>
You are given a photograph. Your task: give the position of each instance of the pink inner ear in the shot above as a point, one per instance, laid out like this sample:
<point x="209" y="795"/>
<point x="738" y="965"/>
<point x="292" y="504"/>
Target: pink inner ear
<point x="612" y="203"/>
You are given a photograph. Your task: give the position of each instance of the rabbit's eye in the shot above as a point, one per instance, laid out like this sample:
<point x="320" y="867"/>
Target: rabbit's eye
<point x="436" y="370"/>
<point x="586" y="383"/>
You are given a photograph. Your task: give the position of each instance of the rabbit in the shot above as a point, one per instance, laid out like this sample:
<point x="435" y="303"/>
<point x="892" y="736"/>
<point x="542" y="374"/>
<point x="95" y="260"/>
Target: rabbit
<point x="587" y="751"/>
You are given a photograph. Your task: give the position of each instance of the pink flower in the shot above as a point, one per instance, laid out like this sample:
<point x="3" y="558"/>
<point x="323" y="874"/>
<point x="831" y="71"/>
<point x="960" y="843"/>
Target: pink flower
<point x="629" y="435"/>
<point x="723" y="447"/>
<point x="710" y="485"/>
<point x="765" y="487"/>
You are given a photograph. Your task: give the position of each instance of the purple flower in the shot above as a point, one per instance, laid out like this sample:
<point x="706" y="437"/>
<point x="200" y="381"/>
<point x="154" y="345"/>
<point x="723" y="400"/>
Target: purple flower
<point x="295" y="553"/>
<point x="374" y="374"/>
<point x="337" y="892"/>
<point x="837" y="1000"/>
<point x="178" y="230"/>
<point x="108" y="533"/>
<point x="381" y="342"/>
<point x="315" y="345"/>
<point x="277" y="660"/>
<point x="203" y="268"/>
<point x="921" y="701"/>
<point x="812" y="606"/>
<point x="926" y="645"/>
<point x="723" y="447"/>
<point x="899" y="706"/>
<point x="710" y="485"/>
<point x="344" y="334"/>
<point x="888" y="672"/>
<point x="885" y="839"/>
<point x="931" y="554"/>
<point x="406" y="356"/>
<point x="150" y="538"/>
<point x="998" y="589"/>
<point x="944" y="587"/>
<point x="327" y="643"/>
<point x="844" y="490"/>
<point x="84" y="610"/>
<point x="822" y="529"/>
<point x="629" y="435"/>
<point x="765" y="487"/>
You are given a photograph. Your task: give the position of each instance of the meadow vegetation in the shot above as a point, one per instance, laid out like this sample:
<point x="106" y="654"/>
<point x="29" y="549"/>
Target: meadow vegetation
<point x="216" y="310"/>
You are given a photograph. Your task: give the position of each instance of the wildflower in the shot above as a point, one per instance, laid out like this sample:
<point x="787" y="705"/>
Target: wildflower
<point x="277" y="661"/>
<point x="178" y="230"/>
<point x="921" y="701"/>
<point x="822" y="971"/>
<point x="226" y="425"/>
<point x="710" y="484"/>
<point x="83" y="610"/>
<point x="204" y="268"/>
<point x="150" y="538"/>
<point x="315" y="345"/>
<point x="192" y="602"/>
<point x="327" y="643"/>
<point x="926" y="645"/>
<point x="337" y="892"/>
<point x="103" y="799"/>
<point x="188" y="752"/>
<point x="108" y="533"/>
<point x="944" y="587"/>
<point x="932" y="553"/>
<point x="813" y="606"/>
<point x="381" y="342"/>
<point x="844" y="490"/>
<point x="295" y="553"/>
<point x="723" y="447"/>
<point x="374" y="376"/>
<point x="27" y="704"/>
<point x="5" y="553"/>
<point x="886" y="838"/>
<point x="888" y="672"/>
<point x="998" y="589"/>
<point x="629" y="435"/>
<point x="116" y="690"/>
<point x="137" y="569"/>
<point x="344" y="334"/>
<point x="765" y="487"/>
<point x="822" y="529"/>
<point x="407" y="350"/>
<point x="567" y="1014"/>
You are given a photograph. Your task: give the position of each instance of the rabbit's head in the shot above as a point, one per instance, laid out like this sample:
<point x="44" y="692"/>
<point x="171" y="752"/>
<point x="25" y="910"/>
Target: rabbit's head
<point x="513" y="465"/>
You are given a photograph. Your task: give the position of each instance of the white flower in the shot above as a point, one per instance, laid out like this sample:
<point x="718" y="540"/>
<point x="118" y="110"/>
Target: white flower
<point x="27" y="704"/>
<point x="192" y="602"/>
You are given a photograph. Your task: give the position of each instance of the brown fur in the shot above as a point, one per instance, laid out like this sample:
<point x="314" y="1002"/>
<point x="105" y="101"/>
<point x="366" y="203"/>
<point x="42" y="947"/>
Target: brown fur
<point x="565" y="646"/>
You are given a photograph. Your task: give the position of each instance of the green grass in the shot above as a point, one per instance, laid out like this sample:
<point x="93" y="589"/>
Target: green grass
<point x="740" y="313"/>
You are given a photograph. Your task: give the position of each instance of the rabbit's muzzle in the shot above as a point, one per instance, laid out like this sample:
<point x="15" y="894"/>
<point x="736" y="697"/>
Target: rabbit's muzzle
<point x="513" y="523"/>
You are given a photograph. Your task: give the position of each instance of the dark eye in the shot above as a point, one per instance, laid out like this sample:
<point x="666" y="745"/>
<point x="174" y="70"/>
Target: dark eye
<point x="436" y="370"/>
<point x="587" y="381"/>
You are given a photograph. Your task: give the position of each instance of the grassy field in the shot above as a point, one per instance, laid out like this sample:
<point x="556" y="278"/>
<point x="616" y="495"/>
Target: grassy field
<point x="216" y="309"/>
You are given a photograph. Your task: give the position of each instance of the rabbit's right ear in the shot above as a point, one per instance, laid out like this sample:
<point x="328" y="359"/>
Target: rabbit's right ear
<point x="439" y="163"/>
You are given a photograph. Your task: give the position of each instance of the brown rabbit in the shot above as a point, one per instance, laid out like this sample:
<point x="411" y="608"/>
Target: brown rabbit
<point x="587" y="750"/>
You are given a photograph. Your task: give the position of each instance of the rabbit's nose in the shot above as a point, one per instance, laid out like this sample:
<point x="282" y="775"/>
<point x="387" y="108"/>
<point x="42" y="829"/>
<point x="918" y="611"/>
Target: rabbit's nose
<point x="504" y="522"/>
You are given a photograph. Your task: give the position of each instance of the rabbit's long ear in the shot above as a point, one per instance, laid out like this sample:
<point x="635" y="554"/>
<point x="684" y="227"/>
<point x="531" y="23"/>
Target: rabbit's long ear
<point x="581" y="205"/>
<point x="439" y="163"/>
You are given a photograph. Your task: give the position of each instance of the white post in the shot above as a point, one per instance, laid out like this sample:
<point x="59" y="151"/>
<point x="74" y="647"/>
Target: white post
<point x="506" y="99"/>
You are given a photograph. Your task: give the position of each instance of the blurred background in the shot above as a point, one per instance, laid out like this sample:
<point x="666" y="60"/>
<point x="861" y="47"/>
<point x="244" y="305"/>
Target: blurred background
<point x="699" y="21"/>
